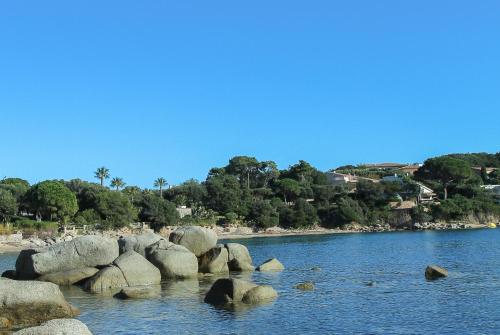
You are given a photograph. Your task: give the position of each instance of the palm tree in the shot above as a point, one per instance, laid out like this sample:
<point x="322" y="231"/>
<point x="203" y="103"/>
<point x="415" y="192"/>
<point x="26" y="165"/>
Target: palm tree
<point x="117" y="183"/>
<point x="101" y="174"/>
<point x="160" y="183"/>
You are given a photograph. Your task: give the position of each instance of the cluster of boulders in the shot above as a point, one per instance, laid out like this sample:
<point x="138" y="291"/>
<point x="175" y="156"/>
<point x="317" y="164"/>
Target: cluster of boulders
<point x="132" y="265"/>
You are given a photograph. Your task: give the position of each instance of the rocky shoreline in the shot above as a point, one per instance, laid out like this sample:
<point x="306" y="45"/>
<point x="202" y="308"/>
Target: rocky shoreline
<point x="128" y="267"/>
<point x="16" y="242"/>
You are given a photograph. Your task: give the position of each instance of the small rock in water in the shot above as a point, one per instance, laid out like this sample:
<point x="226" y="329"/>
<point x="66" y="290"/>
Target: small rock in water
<point x="271" y="265"/>
<point x="433" y="272"/>
<point x="305" y="286"/>
<point x="316" y="269"/>
<point x="370" y="283"/>
<point x="260" y="294"/>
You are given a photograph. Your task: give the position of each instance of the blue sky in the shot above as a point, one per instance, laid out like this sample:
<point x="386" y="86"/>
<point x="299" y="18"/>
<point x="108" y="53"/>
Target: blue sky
<point x="173" y="88"/>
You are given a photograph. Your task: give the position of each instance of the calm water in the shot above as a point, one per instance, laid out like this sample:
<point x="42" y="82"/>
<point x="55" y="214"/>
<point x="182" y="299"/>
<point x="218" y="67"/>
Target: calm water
<point x="368" y="284"/>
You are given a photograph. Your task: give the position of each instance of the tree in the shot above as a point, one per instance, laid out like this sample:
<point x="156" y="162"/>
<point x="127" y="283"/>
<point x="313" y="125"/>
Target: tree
<point x="160" y="183"/>
<point x="244" y="167"/>
<point x="288" y="187"/>
<point x="17" y="186"/>
<point x="158" y="211"/>
<point x="52" y="200"/>
<point x="115" y="209"/>
<point x="101" y="174"/>
<point x="263" y="214"/>
<point x="446" y="170"/>
<point x="223" y="194"/>
<point x="8" y="205"/>
<point x="117" y="183"/>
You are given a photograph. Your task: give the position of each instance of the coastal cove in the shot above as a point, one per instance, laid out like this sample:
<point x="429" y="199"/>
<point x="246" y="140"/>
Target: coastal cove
<point x="364" y="283"/>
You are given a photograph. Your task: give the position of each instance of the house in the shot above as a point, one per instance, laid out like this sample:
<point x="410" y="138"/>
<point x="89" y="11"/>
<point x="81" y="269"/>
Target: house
<point x="409" y="170"/>
<point x="338" y="179"/>
<point x="487" y="169"/>
<point x="384" y="166"/>
<point x="493" y="188"/>
<point x="184" y="211"/>
<point x="426" y="195"/>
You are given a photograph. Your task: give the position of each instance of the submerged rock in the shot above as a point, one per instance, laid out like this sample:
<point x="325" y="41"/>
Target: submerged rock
<point x="138" y="243"/>
<point x="139" y="292"/>
<point x="197" y="239"/>
<point x="433" y="272"/>
<point x="82" y="252"/>
<point x="129" y="269"/>
<point x="260" y="294"/>
<point x="214" y="261"/>
<point x="67" y="278"/>
<point x="228" y="290"/>
<point x="174" y="261"/>
<point x="271" y="265"/>
<point x="27" y="303"/>
<point x="57" y="327"/>
<point x="305" y="286"/>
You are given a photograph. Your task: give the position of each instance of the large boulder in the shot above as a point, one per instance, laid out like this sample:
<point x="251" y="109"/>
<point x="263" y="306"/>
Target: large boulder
<point x="271" y="265"/>
<point x="239" y="257"/>
<point x="129" y="269"/>
<point x="82" y="252"/>
<point x="57" y="327"/>
<point x="67" y="278"/>
<point x="27" y="303"/>
<point x="138" y="243"/>
<point x="214" y="260"/>
<point x="228" y="290"/>
<point x="238" y="251"/>
<point x="174" y="261"/>
<point x="240" y="266"/>
<point x="259" y="295"/>
<point x="196" y="239"/>
<point x="433" y="272"/>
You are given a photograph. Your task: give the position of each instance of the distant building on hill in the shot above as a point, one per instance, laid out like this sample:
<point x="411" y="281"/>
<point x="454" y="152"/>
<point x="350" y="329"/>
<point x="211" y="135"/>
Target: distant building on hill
<point x="184" y="211"/>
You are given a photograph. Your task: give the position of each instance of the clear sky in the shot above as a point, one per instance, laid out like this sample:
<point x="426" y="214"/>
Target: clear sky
<point x="173" y="88"/>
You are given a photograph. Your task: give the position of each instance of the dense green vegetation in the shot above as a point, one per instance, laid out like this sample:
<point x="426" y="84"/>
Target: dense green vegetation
<point x="254" y="193"/>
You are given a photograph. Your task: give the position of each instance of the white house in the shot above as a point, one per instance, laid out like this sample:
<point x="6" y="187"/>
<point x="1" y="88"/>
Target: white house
<point x="338" y="179"/>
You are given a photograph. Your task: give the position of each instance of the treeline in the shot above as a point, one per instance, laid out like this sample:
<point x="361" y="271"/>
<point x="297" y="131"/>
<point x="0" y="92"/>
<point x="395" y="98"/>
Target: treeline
<point x="256" y="193"/>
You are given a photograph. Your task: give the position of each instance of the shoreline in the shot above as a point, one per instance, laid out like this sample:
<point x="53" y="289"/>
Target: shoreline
<point x="17" y="247"/>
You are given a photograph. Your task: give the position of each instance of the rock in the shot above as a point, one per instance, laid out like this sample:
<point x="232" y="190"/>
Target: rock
<point x="57" y="327"/>
<point x="433" y="272"/>
<point x="82" y="252"/>
<point x="129" y="269"/>
<point x="138" y="243"/>
<point x="228" y="290"/>
<point x="236" y="265"/>
<point x="316" y="269"/>
<point x="238" y="251"/>
<point x="259" y="295"/>
<point x="305" y="286"/>
<point x="10" y="274"/>
<point x="214" y="261"/>
<point x="27" y="303"/>
<point x="271" y="265"/>
<point x="196" y="239"/>
<point x="139" y="292"/>
<point x="174" y="261"/>
<point x="67" y="278"/>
